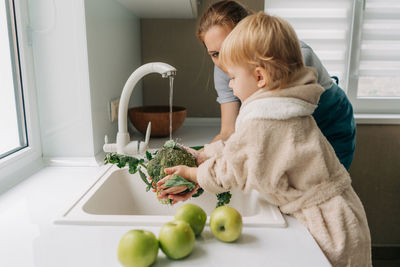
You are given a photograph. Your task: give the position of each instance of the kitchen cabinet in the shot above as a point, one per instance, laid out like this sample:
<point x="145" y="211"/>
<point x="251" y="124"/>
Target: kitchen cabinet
<point x="162" y="9"/>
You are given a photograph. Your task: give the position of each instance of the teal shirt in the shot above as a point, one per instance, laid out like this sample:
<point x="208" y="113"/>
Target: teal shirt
<point x="335" y="118"/>
<point x="334" y="114"/>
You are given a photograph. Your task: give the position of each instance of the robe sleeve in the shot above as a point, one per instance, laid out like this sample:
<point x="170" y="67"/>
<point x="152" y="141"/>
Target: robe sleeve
<point x="237" y="163"/>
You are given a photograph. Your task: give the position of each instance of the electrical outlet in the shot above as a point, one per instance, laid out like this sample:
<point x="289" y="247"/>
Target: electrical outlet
<point x="114" y="105"/>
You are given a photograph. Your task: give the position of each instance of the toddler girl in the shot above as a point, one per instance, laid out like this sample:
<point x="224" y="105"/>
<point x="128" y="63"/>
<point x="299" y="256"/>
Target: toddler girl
<point x="277" y="147"/>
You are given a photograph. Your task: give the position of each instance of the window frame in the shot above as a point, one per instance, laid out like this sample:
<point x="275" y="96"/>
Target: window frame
<point x="19" y="165"/>
<point x="18" y="89"/>
<point x="376" y="107"/>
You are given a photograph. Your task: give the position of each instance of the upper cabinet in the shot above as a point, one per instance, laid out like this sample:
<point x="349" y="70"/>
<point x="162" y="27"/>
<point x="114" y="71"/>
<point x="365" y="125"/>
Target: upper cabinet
<point x="161" y="9"/>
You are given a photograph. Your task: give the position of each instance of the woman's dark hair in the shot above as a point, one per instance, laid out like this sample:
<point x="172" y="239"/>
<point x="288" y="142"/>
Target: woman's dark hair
<point x="223" y="13"/>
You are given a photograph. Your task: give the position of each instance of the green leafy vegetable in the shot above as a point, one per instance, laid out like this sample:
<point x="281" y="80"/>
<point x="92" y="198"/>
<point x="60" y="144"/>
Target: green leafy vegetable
<point x="149" y="156"/>
<point x="177" y="180"/>
<point x="171" y="154"/>
<point x="144" y="178"/>
<point x="198" y="193"/>
<point x="169" y="144"/>
<point x="223" y="198"/>
<point x="196" y="147"/>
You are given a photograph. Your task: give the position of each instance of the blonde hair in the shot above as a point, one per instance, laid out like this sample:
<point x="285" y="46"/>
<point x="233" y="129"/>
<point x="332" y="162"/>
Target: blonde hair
<point x="261" y="40"/>
<point x="224" y="14"/>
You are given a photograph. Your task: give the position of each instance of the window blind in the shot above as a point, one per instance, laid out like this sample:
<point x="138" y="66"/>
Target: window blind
<point x="379" y="66"/>
<point x="324" y="25"/>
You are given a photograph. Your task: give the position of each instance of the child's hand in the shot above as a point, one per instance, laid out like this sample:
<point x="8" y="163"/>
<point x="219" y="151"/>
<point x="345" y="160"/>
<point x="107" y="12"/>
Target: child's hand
<point x="189" y="173"/>
<point x="176" y="197"/>
<point x="200" y="157"/>
<point x="197" y="154"/>
<point x="174" y="193"/>
<point x="183" y="197"/>
<point x="191" y="150"/>
<point x="153" y="183"/>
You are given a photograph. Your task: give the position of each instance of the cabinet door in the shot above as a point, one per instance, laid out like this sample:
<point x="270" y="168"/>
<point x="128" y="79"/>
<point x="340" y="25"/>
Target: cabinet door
<point x="179" y="9"/>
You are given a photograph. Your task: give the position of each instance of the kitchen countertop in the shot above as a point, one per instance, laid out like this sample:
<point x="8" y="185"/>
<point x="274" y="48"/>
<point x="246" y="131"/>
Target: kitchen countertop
<point x="194" y="132"/>
<point x="30" y="238"/>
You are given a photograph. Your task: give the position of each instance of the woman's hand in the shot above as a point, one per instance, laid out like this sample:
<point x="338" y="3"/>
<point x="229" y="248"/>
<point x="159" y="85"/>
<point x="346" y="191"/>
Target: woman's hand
<point x="175" y="193"/>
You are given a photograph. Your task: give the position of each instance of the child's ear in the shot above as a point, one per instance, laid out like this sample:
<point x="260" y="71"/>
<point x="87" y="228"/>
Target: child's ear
<point x="261" y="77"/>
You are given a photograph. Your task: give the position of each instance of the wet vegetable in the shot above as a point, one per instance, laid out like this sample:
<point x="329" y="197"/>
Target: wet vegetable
<point x="171" y="154"/>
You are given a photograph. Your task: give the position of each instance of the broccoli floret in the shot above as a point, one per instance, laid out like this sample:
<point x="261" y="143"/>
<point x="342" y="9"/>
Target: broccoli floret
<point x="171" y="154"/>
<point x="168" y="157"/>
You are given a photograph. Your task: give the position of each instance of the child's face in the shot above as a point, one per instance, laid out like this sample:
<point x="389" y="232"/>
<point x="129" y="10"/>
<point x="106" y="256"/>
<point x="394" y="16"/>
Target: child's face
<point x="243" y="81"/>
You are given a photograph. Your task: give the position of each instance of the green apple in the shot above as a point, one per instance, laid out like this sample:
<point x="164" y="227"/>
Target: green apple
<point x="193" y="215"/>
<point x="176" y="239"/>
<point x="138" y="248"/>
<point x="226" y="223"/>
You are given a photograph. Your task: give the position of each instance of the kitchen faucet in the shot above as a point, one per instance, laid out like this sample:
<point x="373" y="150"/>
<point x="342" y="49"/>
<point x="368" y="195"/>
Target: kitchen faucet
<point x="123" y="145"/>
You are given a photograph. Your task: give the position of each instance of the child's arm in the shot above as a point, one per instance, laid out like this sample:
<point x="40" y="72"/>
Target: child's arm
<point x="256" y="156"/>
<point x="243" y="161"/>
<point x="221" y="171"/>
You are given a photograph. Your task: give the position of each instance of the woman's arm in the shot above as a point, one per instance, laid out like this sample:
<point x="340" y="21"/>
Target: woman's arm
<point x="229" y="113"/>
<point x="229" y="104"/>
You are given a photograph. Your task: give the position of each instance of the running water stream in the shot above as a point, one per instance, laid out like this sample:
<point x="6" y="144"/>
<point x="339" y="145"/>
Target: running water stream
<point x="171" y="92"/>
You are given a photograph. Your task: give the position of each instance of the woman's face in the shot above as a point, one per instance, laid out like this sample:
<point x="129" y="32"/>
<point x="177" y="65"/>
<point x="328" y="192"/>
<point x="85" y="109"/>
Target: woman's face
<point x="213" y="40"/>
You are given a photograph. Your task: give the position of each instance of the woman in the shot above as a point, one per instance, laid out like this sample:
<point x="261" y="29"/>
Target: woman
<point x="334" y="115"/>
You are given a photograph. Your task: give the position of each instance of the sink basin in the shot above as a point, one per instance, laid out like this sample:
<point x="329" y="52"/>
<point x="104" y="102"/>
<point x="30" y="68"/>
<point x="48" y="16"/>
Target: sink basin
<point x="120" y="198"/>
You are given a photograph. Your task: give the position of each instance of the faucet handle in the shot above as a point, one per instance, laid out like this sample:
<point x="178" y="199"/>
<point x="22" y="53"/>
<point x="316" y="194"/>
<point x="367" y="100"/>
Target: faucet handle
<point x="131" y="149"/>
<point x="144" y="145"/>
<point x="109" y="147"/>
<point x="148" y="132"/>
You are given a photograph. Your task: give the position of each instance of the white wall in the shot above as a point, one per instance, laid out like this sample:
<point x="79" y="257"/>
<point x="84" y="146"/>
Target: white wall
<point x="82" y="60"/>
<point x="113" y="43"/>
<point x="59" y="49"/>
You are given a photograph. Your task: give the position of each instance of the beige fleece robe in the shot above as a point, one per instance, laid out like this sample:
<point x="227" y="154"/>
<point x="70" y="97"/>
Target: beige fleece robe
<point x="278" y="150"/>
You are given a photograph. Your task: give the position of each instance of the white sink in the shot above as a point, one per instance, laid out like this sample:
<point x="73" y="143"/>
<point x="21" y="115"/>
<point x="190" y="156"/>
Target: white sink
<point x="120" y="198"/>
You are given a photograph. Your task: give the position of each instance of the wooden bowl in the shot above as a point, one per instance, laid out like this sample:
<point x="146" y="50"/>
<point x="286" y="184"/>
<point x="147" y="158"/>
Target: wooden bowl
<point x="159" y="117"/>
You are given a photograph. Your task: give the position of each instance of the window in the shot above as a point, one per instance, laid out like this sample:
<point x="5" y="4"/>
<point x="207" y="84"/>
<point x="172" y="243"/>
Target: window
<point x="357" y="41"/>
<point x="322" y="24"/>
<point x="375" y="61"/>
<point x="12" y="118"/>
<point x="20" y="149"/>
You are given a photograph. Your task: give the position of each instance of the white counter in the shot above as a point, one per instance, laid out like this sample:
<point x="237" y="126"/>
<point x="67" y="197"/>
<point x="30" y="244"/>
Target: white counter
<point x="28" y="236"/>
